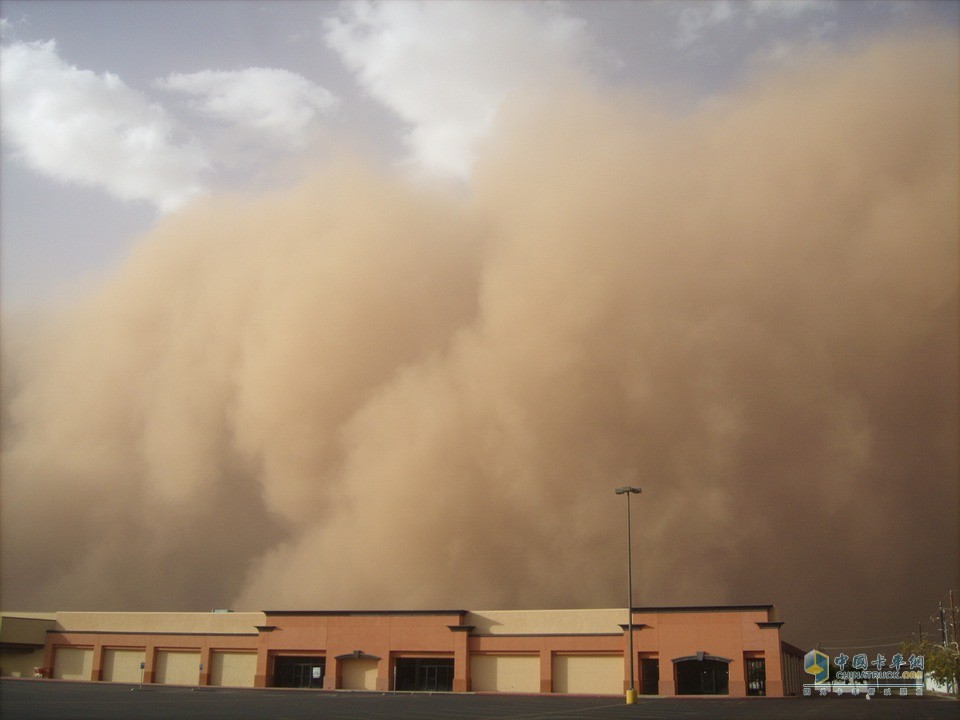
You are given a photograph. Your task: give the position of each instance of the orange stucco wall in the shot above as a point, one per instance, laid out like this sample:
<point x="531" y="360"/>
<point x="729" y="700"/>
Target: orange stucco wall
<point x="731" y="635"/>
<point x="380" y="638"/>
<point x="381" y="635"/>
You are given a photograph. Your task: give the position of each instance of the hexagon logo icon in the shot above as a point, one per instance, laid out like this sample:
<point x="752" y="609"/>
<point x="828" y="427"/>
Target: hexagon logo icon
<point x="817" y="664"/>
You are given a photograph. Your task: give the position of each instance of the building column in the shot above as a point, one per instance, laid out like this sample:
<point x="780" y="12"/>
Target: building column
<point x="96" y="672"/>
<point x="668" y="683"/>
<point x="333" y="675"/>
<point x="461" y="657"/>
<point x="263" y="656"/>
<point x="48" y="653"/>
<point x="384" y="667"/>
<point x="149" y="658"/>
<point x="770" y="631"/>
<point x="546" y="670"/>
<point x="205" y="657"/>
<point x="262" y="679"/>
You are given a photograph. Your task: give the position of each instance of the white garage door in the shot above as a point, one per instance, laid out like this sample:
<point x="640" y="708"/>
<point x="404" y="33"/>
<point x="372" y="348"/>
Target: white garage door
<point x="175" y="667"/>
<point x="122" y="665"/>
<point x="73" y="663"/>
<point x="505" y="673"/>
<point x="233" y="669"/>
<point x="590" y="674"/>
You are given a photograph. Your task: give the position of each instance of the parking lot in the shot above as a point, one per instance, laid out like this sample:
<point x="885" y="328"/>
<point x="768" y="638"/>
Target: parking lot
<point x="54" y="700"/>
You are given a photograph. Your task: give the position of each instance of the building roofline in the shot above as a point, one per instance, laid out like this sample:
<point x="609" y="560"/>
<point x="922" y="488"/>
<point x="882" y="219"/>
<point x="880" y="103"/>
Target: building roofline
<point x="447" y="612"/>
<point x="461" y="613"/>
<point x="702" y="608"/>
<point x="191" y="633"/>
<point x="792" y="649"/>
<point x="288" y="613"/>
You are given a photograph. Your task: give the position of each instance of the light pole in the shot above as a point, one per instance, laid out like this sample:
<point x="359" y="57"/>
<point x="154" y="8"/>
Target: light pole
<point x="628" y="491"/>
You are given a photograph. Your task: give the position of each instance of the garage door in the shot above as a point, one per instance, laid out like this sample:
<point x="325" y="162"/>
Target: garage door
<point x="505" y="673"/>
<point x="233" y="669"/>
<point x="359" y="674"/>
<point x="73" y="663"/>
<point x="122" y="665"/>
<point x="177" y="668"/>
<point x="591" y="674"/>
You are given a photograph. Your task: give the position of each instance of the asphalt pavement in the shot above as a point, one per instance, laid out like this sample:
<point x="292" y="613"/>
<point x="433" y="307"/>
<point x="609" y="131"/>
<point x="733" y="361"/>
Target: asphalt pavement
<point x="59" y="700"/>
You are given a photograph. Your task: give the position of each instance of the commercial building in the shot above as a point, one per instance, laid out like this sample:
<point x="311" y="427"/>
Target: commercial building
<point x="723" y="650"/>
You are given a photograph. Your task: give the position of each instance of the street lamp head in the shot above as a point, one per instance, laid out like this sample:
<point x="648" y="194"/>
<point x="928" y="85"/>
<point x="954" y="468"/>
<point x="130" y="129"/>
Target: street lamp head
<point x="627" y="489"/>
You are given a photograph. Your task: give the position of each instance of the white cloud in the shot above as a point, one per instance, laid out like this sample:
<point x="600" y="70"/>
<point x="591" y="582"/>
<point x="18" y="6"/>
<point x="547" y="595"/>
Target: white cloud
<point x="79" y="127"/>
<point x="796" y="25"/>
<point x="790" y="9"/>
<point x="444" y="67"/>
<point x="697" y="18"/>
<point x="276" y="103"/>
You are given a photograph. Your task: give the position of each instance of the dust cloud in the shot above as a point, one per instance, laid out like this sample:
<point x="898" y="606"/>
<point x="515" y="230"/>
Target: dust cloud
<point x="357" y="393"/>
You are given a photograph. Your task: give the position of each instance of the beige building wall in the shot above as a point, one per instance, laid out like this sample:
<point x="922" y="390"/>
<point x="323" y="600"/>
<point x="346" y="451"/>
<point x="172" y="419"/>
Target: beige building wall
<point x="233" y="669"/>
<point x="22" y="636"/>
<point x="71" y="663"/>
<point x="213" y="623"/>
<point x="588" y="674"/>
<point x="20" y="663"/>
<point x="24" y="629"/>
<point x="360" y="674"/>
<point x="505" y="673"/>
<point x="122" y="665"/>
<point x="174" y="667"/>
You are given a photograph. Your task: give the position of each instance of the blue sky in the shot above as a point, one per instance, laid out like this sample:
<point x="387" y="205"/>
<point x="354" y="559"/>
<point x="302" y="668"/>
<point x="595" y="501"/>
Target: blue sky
<point x="116" y="113"/>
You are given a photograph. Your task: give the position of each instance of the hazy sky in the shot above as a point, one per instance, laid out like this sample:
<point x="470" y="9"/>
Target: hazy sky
<point x="322" y="305"/>
<point x="117" y="111"/>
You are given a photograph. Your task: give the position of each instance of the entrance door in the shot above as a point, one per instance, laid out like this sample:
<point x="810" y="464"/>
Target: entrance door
<point x="649" y="676"/>
<point x="756" y="676"/>
<point x="702" y="677"/>
<point x="299" y="672"/>
<point x="424" y="674"/>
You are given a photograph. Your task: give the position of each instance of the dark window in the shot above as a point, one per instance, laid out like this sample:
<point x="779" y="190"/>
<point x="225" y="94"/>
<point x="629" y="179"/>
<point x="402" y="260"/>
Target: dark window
<point x="702" y="677"/>
<point x="426" y="674"/>
<point x="756" y="676"/>
<point x="649" y="676"/>
<point x="299" y="672"/>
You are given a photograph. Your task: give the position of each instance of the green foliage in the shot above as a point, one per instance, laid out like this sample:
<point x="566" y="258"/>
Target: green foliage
<point x="941" y="663"/>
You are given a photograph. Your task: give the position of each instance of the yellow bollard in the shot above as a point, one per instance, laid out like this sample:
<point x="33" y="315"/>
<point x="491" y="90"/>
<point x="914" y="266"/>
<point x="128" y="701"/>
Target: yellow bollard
<point x="631" y="696"/>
